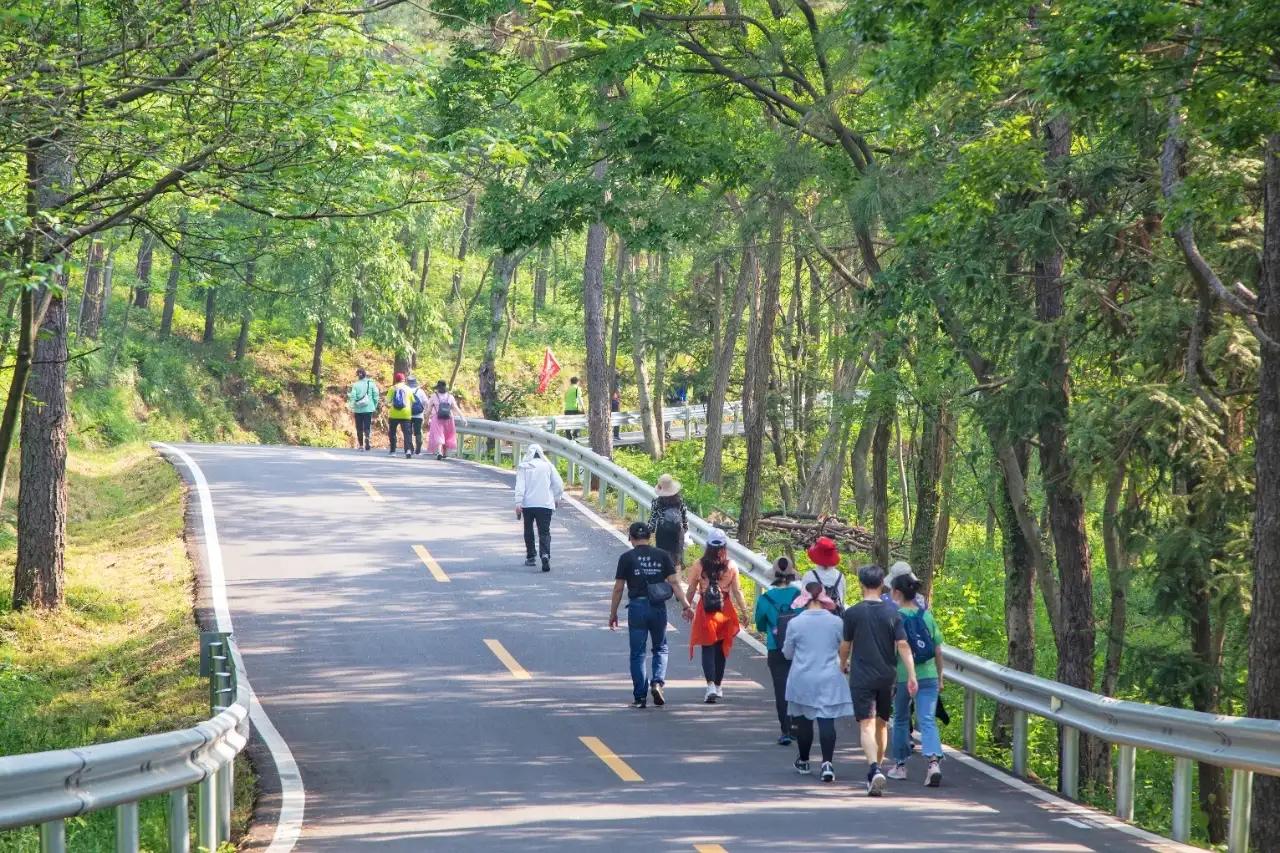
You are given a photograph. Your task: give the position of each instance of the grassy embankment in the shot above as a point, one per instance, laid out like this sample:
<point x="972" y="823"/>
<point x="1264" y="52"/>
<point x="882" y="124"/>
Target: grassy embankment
<point x="121" y="659"/>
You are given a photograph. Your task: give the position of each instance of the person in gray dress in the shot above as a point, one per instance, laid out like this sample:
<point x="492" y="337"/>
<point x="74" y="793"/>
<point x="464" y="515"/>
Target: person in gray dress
<point x="816" y="689"/>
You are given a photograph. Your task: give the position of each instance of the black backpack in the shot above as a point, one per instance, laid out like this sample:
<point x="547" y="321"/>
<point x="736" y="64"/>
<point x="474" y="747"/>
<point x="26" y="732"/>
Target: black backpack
<point x="444" y="409"/>
<point x="780" y="624"/>
<point x="713" y="598"/>
<point x="833" y="592"/>
<point x="670" y="528"/>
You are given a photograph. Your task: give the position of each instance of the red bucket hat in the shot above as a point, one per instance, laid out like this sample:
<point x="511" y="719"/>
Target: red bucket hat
<point x="399" y="377"/>
<point x="824" y="553"/>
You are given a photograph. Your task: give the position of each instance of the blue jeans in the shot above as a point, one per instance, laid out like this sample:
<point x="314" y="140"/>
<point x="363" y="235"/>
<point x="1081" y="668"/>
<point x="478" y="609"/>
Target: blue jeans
<point x="926" y="706"/>
<point x="647" y="622"/>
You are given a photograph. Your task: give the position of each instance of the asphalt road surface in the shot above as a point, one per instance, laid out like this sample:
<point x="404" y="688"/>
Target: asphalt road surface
<point x="412" y="733"/>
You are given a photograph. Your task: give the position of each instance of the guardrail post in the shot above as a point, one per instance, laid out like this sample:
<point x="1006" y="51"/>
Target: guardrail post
<point x="53" y="836"/>
<point x="1019" y="742"/>
<point x="497" y="452"/>
<point x="224" y="800"/>
<point x="127" y="828"/>
<point x="970" y="720"/>
<point x="603" y="495"/>
<point x="179" y="826"/>
<point x="622" y="504"/>
<point x="1069" y="762"/>
<point x="206" y="813"/>
<point x="1241" y="805"/>
<point x="1127" y="756"/>
<point x="1181" y="799"/>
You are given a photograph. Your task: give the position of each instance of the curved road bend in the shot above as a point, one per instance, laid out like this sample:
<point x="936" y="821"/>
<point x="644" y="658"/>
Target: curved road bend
<point x="412" y="734"/>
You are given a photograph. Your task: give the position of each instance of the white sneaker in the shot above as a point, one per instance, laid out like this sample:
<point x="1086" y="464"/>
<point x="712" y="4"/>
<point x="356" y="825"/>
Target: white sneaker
<point x="897" y="771"/>
<point x="828" y="774"/>
<point x="719" y="691"/>
<point x="933" y="777"/>
<point x="711" y="696"/>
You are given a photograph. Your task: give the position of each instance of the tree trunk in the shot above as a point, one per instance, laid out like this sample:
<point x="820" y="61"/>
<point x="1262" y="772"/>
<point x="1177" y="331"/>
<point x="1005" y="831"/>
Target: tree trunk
<point x="930" y="462"/>
<point x="357" y="317"/>
<point x="1019" y="590"/>
<point x="210" y="313"/>
<point x="904" y="487"/>
<point x="598" y="430"/>
<point x="639" y="354"/>
<point x="317" y="353"/>
<point x="108" y="277"/>
<point x="540" y="280"/>
<point x="242" y="339"/>
<point x="142" y="292"/>
<point x="171" y="284"/>
<point x="464" y="242"/>
<point x="1264" y="616"/>
<point x="21" y="374"/>
<point x="466" y="322"/>
<point x="759" y="369"/>
<point x="1119" y="572"/>
<point x="880" y="488"/>
<point x="862" y="487"/>
<point x="504" y="269"/>
<point x="39" y="573"/>
<point x="621" y="265"/>
<point x="87" y="322"/>
<point x="713" y="443"/>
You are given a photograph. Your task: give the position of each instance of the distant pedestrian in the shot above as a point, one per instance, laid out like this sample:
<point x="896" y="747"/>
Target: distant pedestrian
<point x="574" y="404"/>
<point x="816" y="690"/>
<point x="669" y="518"/>
<point x="442" y="434"/>
<point x="826" y="571"/>
<point x="615" y="407"/>
<point x="873" y="636"/>
<point x="400" y="414"/>
<point x="417" y="412"/>
<point x="896" y="571"/>
<point x="715" y="618"/>
<point x="650" y="580"/>
<point x="925" y="641"/>
<point x="363" y="400"/>
<point x="771" y="606"/>
<point x="538" y="491"/>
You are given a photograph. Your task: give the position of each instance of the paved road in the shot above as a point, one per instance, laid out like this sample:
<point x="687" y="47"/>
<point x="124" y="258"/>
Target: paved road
<point x="412" y="735"/>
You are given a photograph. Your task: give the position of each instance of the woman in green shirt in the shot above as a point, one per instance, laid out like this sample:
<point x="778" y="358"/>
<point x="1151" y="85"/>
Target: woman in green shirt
<point x="926" y="646"/>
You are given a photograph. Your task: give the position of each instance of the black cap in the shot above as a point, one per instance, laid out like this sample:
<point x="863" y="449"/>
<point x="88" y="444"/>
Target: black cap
<point x="640" y="530"/>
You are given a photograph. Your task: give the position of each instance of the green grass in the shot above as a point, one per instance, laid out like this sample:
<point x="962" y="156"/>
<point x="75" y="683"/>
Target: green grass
<point x="121" y="659"/>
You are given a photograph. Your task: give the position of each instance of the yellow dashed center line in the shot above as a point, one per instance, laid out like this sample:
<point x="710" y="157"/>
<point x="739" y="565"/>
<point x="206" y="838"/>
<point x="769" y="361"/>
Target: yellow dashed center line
<point x="611" y="760"/>
<point x="709" y="848"/>
<point x="500" y="652"/>
<point x="369" y="489"/>
<point x="430" y="562"/>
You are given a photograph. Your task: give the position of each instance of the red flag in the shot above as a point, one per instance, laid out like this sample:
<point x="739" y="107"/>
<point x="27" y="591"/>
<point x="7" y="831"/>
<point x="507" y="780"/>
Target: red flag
<point x="550" y="369"/>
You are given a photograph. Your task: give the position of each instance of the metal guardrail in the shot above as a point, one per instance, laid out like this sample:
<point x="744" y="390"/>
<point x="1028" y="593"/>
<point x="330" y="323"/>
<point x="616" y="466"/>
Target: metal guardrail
<point x="1243" y="745"/>
<point x="690" y="416"/>
<point x="47" y="788"/>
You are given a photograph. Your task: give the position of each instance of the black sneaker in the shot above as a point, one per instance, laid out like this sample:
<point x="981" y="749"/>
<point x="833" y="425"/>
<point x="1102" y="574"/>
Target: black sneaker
<point x="784" y="740"/>
<point x="639" y="703"/>
<point x="546" y="565"/>
<point x="828" y="774"/>
<point x="656" y="690"/>
<point x="801" y="767"/>
<point x="875" y="783"/>
<point x="393" y="453"/>
<point x="439" y="457"/>
<point x="408" y="455"/>
<point x="531" y="561"/>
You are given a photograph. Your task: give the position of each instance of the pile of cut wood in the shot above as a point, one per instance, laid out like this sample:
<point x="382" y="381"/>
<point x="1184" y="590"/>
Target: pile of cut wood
<point x="803" y="529"/>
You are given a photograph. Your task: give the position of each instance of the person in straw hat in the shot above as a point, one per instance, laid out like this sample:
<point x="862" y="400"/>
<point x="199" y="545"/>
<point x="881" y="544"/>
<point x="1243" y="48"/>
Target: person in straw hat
<point x="669" y="518"/>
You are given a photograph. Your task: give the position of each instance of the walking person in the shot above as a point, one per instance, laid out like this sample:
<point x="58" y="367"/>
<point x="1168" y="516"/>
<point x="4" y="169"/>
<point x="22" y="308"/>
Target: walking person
<point x="873" y="636"/>
<point x="363" y="400"/>
<point x="771" y="608"/>
<point x="816" y="690"/>
<point x="538" y="491"/>
<point x="649" y="577"/>
<point x="669" y="518"/>
<point x="826" y="558"/>
<point x="574" y="404"/>
<point x="442" y="434"/>
<point x="896" y="571"/>
<point x="400" y="414"/>
<point x="925" y="641"/>
<point x="417" y="412"/>
<point x="715" y="619"/>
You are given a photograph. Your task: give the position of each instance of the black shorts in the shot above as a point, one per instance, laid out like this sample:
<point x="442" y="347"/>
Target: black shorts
<point x="876" y="700"/>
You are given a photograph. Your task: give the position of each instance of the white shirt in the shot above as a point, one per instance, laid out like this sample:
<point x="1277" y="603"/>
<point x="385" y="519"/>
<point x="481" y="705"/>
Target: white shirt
<point x="829" y="577"/>
<point x="538" y="484"/>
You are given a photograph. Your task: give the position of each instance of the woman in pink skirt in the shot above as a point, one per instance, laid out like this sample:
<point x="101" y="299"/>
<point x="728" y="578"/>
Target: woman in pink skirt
<point x="442" y="409"/>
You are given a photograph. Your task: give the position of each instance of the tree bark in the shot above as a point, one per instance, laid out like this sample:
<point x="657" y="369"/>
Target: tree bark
<point x="862" y="487"/>
<point x="713" y="443"/>
<point x="108" y="278"/>
<point x="540" y="280"/>
<point x="171" y="284"/>
<point x="1119" y="572"/>
<point x="639" y="355"/>
<point x="89" y="302"/>
<point x="464" y="243"/>
<point x="621" y="265"/>
<point x="759" y="369"/>
<point x="880" y="488"/>
<point x="1264" y="616"/>
<point x="242" y="339"/>
<point x="357" y="317"/>
<point x="39" y="573"/>
<point x="504" y="269"/>
<point x="142" y="292"/>
<point x="930" y="463"/>
<point x="317" y="353"/>
<point x="1019" y="589"/>
<point x="210" y="313"/>
<point x="598" y="431"/>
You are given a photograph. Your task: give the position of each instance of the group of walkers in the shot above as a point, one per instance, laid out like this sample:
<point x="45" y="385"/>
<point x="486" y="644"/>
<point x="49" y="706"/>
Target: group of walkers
<point x="408" y="405"/>
<point x="876" y="659"/>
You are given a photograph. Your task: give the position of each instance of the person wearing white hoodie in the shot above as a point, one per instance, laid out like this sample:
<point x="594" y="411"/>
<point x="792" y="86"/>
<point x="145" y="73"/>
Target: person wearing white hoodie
<point x="538" y="490"/>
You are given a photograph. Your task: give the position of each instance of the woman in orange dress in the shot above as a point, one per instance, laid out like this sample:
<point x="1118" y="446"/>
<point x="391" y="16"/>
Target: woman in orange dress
<point x="716" y="619"/>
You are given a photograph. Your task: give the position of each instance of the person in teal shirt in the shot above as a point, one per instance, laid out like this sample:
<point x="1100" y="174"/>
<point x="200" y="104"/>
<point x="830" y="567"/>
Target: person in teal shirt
<point x="363" y="400"/>
<point x="774" y="602"/>
<point x="918" y="623"/>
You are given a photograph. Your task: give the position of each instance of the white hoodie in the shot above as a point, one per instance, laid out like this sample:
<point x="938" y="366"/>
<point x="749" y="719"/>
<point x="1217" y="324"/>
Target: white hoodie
<point x="538" y="483"/>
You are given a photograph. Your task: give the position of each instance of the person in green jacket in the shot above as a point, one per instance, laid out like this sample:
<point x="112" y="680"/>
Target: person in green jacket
<point x="400" y="414"/>
<point x="773" y="603"/>
<point x="573" y="402"/>
<point x="363" y="401"/>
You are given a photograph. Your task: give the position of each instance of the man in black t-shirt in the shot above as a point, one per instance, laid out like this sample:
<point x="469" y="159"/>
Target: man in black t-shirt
<point x="639" y="569"/>
<point x="874" y="636"/>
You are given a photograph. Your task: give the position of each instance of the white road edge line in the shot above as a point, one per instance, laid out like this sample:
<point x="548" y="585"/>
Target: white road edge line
<point x="604" y="524"/>
<point x="292" y="793"/>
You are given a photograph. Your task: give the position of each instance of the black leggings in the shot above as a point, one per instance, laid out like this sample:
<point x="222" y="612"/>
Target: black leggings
<point x="779" y="668"/>
<point x="713" y="663"/>
<point x="364" y="423"/>
<point x="826" y="736"/>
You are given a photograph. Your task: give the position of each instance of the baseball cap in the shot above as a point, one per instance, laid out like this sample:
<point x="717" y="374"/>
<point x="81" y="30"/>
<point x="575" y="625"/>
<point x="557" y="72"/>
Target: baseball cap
<point x="640" y="530"/>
